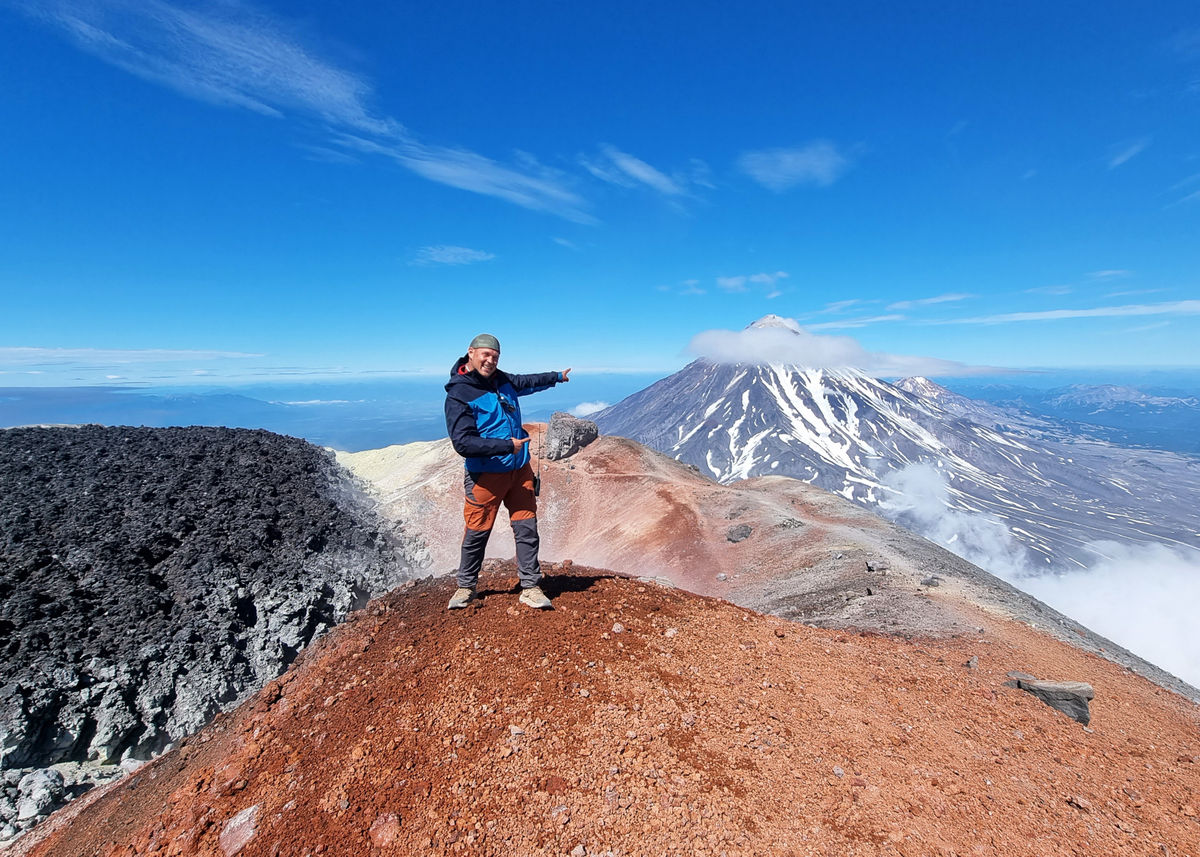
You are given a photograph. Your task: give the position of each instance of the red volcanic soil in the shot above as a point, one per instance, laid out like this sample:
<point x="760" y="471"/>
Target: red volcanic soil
<point x="640" y="720"/>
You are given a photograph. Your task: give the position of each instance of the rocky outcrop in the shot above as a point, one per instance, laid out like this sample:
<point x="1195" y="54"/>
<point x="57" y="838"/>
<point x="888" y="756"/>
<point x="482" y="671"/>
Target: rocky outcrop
<point x="1069" y="697"/>
<point x="567" y="435"/>
<point x="150" y="578"/>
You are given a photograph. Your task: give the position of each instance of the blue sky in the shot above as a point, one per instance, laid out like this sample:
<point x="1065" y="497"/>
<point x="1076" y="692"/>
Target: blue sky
<point x="224" y="191"/>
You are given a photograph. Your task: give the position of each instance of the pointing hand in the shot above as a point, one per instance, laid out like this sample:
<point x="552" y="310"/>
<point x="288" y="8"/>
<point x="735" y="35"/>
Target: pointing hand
<point x="565" y="373"/>
<point x="519" y="442"/>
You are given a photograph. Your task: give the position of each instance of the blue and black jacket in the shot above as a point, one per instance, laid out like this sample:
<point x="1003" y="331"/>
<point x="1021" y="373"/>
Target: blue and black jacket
<point x="483" y="415"/>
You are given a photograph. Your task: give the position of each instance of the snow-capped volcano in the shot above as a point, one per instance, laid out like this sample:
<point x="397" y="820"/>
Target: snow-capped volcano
<point x="860" y="437"/>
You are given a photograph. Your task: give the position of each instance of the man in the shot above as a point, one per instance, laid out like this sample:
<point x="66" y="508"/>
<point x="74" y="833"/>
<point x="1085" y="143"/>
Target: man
<point x="483" y="417"/>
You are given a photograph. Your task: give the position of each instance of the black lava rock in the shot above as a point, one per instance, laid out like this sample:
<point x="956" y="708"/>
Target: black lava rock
<point x="150" y="578"/>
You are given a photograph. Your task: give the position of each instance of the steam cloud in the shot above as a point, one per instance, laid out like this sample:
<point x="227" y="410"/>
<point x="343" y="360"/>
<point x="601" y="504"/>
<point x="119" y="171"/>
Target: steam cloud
<point x="785" y="342"/>
<point x="1141" y="596"/>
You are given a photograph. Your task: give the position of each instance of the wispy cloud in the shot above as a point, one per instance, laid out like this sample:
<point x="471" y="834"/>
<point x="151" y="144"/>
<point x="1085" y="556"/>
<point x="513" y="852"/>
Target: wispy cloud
<point x="937" y="299"/>
<point x="234" y="55"/>
<point x="622" y="168"/>
<point x="858" y="321"/>
<point x="449" y="254"/>
<point x="743" y="282"/>
<point x="1123" y="152"/>
<point x="841" y="306"/>
<point x="788" y="343"/>
<point x="1132" y="292"/>
<point x="1167" y="308"/>
<point x="31" y="356"/>
<point x="526" y="183"/>
<point x="1057" y="290"/>
<point x="1109" y="274"/>
<point x="685" y="287"/>
<point x="819" y="163"/>
<point x="1144" y="327"/>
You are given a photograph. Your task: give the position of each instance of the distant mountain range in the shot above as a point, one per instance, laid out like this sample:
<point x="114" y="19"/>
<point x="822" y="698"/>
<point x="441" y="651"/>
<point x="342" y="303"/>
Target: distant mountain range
<point x="999" y="485"/>
<point x="1117" y="413"/>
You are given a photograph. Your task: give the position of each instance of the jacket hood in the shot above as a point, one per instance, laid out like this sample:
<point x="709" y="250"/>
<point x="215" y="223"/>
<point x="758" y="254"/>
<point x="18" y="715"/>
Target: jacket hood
<point x="457" y="376"/>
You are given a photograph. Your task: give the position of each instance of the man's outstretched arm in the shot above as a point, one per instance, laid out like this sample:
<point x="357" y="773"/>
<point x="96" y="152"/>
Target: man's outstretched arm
<point x="535" y="383"/>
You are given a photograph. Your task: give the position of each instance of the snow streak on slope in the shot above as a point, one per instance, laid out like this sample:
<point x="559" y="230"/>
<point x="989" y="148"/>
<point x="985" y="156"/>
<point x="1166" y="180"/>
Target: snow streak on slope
<point x="851" y="434"/>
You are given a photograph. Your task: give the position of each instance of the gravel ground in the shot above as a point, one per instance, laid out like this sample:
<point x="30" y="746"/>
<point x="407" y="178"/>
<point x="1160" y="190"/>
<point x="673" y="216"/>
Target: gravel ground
<point x="634" y="720"/>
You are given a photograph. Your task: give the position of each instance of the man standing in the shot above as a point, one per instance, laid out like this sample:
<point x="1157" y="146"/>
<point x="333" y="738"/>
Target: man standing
<point x="483" y="418"/>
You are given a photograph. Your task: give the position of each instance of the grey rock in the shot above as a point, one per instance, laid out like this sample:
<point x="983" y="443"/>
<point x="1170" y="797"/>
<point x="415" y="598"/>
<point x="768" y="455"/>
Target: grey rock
<point x="738" y="533"/>
<point x="972" y="663"/>
<point x="1069" y="697"/>
<point x="7" y="832"/>
<point x="40" y="791"/>
<point x="1017" y="675"/>
<point x="932" y="580"/>
<point x="567" y="435"/>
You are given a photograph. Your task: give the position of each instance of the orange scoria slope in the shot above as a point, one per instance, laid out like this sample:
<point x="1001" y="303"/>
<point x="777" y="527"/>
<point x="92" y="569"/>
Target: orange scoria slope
<point x="640" y="720"/>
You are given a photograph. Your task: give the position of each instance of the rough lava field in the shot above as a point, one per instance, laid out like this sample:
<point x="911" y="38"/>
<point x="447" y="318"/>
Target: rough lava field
<point x="152" y="577"/>
<point x="635" y="719"/>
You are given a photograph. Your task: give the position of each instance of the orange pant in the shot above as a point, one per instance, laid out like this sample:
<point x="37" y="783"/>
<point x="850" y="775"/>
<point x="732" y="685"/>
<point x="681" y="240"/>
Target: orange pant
<point x="484" y="492"/>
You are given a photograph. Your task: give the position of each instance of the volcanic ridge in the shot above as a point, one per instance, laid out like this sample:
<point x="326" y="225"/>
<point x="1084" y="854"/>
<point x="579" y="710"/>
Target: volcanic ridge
<point x="639" y="719"/>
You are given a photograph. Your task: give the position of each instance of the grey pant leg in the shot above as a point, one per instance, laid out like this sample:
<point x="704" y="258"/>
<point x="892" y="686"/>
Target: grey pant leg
<point x="473" y="545"/>
<point x="525" y="534"/>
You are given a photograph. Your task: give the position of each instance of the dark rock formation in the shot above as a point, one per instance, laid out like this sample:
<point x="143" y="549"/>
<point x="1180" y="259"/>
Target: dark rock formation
<point x="1069" y="697"/>
<point x="567" y="435"/>
<point x="738" y="532"/>
<point x="152" y="577"/>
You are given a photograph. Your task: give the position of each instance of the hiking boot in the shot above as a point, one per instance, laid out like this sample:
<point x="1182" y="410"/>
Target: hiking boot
<point x="534" y="597"/>
<point x="461" y="598"/>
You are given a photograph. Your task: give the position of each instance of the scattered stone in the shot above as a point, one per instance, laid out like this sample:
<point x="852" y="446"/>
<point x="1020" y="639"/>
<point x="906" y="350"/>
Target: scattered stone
<point x="1079" y="802"/>
<point x="838" y="772"/>
<point x="579" y="851"/>
<point x="670" y="632"/>
<point x="1069" y="697"/>
<point x="567" y="435"/>
<point x="384" y="830"/>
<point x="584" y="692"/>
<point x="738" y="533"/>
<point x="238" y="831"/>
<point x="972" y="663"/>
<point x="618" y="628"/>
<point x="722" y="576"/>
<point x="515" y="730"/>
<point x="932" y="580"/>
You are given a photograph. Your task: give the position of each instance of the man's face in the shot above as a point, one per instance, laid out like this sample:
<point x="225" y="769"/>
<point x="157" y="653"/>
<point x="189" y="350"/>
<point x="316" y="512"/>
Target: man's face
<point x="483" y="360"/>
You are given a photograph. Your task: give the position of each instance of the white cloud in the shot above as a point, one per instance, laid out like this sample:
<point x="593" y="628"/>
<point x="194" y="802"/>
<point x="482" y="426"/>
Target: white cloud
<point x="233" y="55"/>
<point x="1169" y="308"/>
<point x="938" y="299"/>
<point x="742" y="282"/>
<point x="20" y="356"/>
<point x="621" y="168"/>
<point x="1143" y="597"/>
<point x="449" y="254"/>
<point x="784" y="341"/>
<point x="1127" y="151"/>
<point x="527" y="183"/>
<point x="1109" y="274"/>
<point x="856" y="322"/>
<point x="819" y="163"/>
<point x="584" y="409"/>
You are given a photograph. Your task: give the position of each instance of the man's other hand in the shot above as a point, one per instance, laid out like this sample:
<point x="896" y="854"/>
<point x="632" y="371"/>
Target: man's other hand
<point x="564" y="374"/>
<point x="519" y="442"/>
